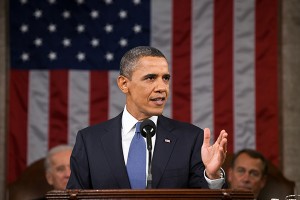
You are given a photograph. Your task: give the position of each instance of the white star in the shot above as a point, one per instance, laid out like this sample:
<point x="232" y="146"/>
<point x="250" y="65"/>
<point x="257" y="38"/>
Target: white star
<point x="80" y="2"/>
<point x="52" y="1"/>
<point x="94" y="14"/>
<point x="108" y="28"/>
<point x="107" y="2"/>
<point x="25" y="56"/>
<point x="123" y="14"/>
<point x="109" y="56"/>
<point x="80" y="56"/>
<point x="66" y="42"/>
<point x="38" y="42"/>
<point x="66" y="14"/>
<point x="123" y="42"/>
<point x="52" y="28"/>
<point x="95" y="42"/>
<point x="38" y="14"/>
<point x="24" y="28"/>
<point x="80" y="28"/>
<point x="137" y="28"/>
<point x="23" y="1"/>
<point x="136" y="2"/>
<point x="52" y="55"/>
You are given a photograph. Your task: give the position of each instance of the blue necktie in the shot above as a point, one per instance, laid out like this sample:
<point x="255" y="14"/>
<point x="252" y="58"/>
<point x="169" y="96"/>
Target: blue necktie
<point x="136" y="161"/>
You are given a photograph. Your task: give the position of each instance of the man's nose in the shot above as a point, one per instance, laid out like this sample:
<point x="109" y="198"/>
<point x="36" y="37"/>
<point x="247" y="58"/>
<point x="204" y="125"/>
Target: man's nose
<point x="161" y="86"/>
<point x="67" y="172"/>
<point x="246" y="176"/>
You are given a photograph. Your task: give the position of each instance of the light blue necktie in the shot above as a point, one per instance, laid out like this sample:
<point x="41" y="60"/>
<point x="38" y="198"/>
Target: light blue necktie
<point x="136" y="161"/>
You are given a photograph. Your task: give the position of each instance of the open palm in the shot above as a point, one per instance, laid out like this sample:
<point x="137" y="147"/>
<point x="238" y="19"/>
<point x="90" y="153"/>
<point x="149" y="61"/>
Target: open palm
<point x="213" y="156"/>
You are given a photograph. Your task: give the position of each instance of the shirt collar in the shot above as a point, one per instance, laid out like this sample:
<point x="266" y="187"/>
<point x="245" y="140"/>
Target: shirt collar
<point x="128" y="121"/>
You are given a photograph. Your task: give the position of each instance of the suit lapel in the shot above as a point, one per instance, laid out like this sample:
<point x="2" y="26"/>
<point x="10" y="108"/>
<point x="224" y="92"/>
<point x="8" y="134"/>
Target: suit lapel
<point x="164" y="144"/>
<point x="112" y="145"/>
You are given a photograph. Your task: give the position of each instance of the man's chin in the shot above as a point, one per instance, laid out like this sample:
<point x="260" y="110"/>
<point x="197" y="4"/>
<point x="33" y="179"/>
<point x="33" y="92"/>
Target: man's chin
<point x="245" y="188"/>
<point x="156" y="112"/>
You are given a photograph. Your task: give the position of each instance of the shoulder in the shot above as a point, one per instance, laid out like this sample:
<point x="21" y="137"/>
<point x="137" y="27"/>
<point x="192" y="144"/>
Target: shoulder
<point x="175" y="125"/>
<point x="111" y="124"/>
<point x="186" y="134"/>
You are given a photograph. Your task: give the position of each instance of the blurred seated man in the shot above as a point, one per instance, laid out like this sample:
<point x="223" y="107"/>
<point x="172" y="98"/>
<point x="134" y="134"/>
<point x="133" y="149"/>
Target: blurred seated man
<point x="57" y="165"/>
<point x="248" y="171"/>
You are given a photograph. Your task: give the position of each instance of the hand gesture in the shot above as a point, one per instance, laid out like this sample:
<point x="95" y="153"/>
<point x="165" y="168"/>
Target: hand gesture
<point x="213" y="156"/>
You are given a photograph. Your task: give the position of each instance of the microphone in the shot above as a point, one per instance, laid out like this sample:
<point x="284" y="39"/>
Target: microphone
<point x="148" y="130"/>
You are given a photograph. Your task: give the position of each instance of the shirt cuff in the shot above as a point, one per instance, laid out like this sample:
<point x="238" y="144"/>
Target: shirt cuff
<point x="216" y="183"/>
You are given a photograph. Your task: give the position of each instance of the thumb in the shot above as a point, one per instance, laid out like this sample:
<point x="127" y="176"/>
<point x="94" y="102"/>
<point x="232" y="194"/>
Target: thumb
<point x="206" y="142"/>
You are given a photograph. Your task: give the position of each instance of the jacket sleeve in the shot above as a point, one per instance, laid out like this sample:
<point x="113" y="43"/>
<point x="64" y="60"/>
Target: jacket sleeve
<point x="80" y="176"/>
<point x="196" y="179"/>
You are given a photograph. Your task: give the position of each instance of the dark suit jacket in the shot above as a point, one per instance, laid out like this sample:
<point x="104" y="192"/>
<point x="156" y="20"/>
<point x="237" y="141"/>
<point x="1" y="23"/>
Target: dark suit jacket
<point x="97" y="160"/>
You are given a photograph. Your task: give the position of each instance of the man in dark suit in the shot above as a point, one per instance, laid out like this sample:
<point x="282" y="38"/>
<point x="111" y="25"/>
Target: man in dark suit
<point x="182" y="155"/>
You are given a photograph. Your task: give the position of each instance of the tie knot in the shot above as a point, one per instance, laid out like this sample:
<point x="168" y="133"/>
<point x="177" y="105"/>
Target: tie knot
<point x="137" y="127"/>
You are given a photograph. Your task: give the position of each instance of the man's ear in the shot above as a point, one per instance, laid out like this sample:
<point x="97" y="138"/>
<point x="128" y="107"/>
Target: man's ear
<point x="263" y="181"/>
<point x="123" y="83"/>
<point x="49" y="178"/>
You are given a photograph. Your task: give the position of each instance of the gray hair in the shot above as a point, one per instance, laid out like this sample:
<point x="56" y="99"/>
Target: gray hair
<point x="131" y="57"/>
<point x="54" y="150"/>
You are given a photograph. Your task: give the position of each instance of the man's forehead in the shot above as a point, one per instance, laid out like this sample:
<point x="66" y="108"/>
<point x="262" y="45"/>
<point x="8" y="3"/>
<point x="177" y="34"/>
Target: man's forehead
<point x="248" y="162"/>
<point x="62" y="155"/>
<point x="152" y="68"/>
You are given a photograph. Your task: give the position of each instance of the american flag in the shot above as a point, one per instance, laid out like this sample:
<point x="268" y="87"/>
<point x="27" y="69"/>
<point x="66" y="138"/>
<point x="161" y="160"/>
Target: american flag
<point x="65" y="54"/>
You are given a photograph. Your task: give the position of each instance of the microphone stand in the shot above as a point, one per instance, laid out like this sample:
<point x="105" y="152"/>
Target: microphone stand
<point x="149" y="147"/>
<point x="148" y="131"/>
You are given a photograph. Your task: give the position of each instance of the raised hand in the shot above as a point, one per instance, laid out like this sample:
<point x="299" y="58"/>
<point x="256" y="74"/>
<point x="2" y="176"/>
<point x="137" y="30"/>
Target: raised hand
<point x="213" y="156"/>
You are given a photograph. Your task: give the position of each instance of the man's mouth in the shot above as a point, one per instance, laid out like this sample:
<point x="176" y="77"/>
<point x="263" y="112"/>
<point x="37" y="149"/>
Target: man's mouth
<point x="158" y="100"/>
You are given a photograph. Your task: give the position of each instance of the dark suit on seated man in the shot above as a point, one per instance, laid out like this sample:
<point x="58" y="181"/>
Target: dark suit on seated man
<point x="182" y="155"/>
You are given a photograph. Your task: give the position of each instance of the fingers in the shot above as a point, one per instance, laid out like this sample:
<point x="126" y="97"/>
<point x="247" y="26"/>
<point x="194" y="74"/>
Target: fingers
<point x="223" y="140"/>
<point x="221" y="136"/>
<point x="206" y="142"/>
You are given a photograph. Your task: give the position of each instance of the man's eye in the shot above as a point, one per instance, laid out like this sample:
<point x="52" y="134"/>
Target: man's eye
<point x="60" y="169"/>
<point x="254" y="174"/>
<point x="167" y="78"/>
<point x="150" y="77"/>
<point x="240" y="171"/>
